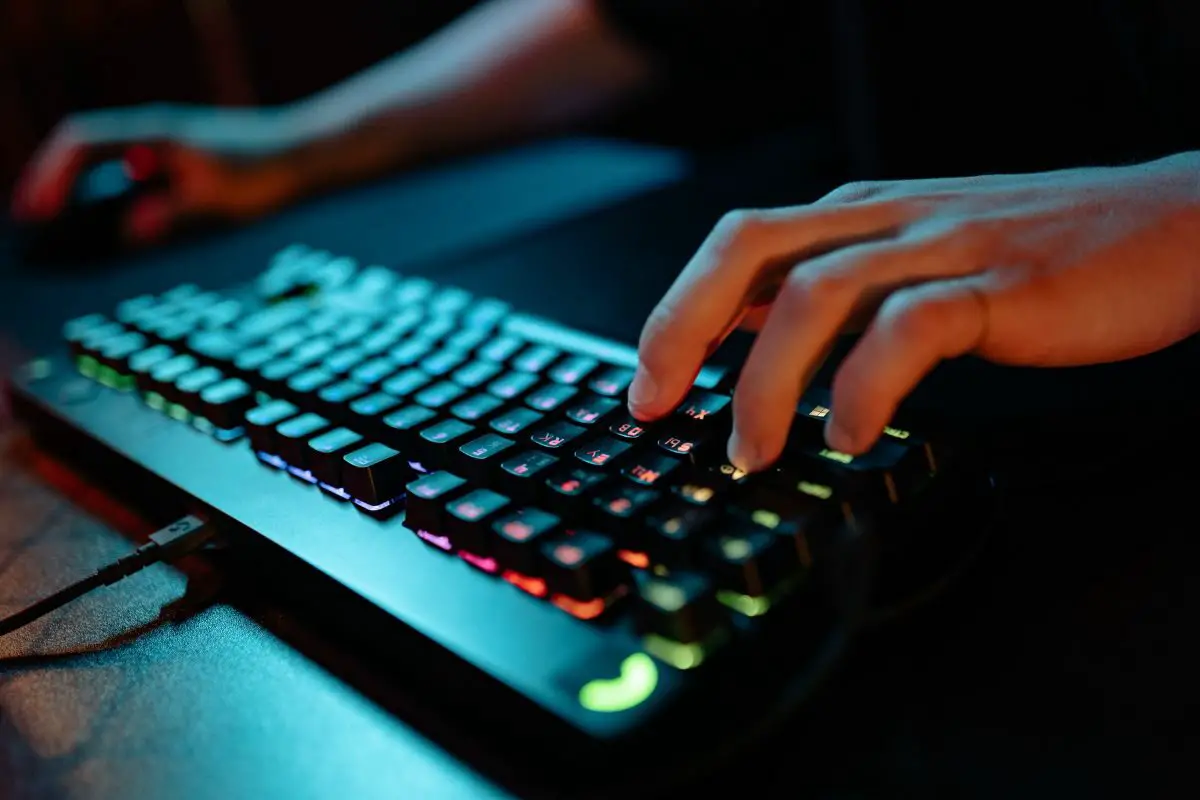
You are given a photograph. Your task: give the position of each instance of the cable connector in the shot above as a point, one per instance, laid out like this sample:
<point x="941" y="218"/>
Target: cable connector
<point x="175" y="541"/>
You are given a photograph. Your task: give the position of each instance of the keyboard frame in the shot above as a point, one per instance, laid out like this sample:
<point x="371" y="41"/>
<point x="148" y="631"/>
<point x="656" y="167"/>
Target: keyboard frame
<point x="515" y="661"/>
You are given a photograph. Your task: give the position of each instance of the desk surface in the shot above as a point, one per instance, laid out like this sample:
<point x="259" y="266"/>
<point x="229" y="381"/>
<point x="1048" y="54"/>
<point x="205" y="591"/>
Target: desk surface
<point x="1064" y="668"/>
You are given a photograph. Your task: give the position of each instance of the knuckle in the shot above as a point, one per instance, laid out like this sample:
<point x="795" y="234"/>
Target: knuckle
<point x="854" y="192"/>
<point x="736" y="228"/>
<point x="809" y="287"/>
<point x="910" y="315"/>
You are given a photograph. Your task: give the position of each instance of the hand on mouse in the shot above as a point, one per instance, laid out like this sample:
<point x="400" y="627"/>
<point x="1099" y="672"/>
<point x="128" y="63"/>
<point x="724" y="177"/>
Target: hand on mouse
<point x="1056" y="269"/>
<point x="219" y="163"/>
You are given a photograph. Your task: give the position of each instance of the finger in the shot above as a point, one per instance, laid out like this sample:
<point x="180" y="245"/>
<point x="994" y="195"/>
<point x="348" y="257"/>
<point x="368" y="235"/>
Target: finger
<point x="46" y="186"/>
<point x="916" y="328"/>
<point x="820" y="300"/>
<point x="709" y="296"/>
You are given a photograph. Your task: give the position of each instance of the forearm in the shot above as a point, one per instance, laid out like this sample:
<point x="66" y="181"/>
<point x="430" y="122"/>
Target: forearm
<point x="508" y="69"/>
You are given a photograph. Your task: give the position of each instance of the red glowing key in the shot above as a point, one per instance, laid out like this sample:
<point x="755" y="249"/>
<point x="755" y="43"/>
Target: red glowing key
<point x="568" y="554"/>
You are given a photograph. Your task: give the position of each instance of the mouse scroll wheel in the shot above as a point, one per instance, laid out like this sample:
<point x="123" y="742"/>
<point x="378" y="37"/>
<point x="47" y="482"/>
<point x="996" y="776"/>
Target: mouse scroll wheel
<point x="142" y="162"/>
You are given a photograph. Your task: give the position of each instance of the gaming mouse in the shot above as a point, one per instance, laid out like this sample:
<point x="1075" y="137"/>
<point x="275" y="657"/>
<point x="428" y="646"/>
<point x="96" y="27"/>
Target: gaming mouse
<point x="89" y="227"/>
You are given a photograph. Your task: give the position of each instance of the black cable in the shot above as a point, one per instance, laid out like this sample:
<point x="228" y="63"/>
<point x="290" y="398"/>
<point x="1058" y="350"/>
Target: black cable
<point x="175" y="541"/>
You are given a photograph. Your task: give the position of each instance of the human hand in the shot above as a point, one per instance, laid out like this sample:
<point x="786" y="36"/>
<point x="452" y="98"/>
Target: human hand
<point x="219" y="164"/>
<point x="1054" y="269"/>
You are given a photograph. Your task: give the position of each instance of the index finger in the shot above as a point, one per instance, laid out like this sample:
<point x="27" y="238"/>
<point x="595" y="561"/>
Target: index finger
<point x="710" y="296"/>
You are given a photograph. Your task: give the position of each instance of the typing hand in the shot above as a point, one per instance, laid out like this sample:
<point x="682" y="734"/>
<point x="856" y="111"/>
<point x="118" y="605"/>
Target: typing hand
<point x="216" y="162"/>
<point x="1055" y="269"/>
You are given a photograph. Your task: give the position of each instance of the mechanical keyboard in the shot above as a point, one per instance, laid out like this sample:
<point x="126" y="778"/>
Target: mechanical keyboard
<point x="471" y="475"/>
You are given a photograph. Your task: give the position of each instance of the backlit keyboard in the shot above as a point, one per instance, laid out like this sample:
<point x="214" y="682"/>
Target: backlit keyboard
<point x="474" y="473"/>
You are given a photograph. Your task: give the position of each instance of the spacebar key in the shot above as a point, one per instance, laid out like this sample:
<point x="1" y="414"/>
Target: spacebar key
<point x="376" y="474"/>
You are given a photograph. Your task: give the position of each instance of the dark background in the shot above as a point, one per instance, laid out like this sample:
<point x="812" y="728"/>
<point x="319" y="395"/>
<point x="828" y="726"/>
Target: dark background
<point x="59" y="56"/>
<point x="1065" y="667"/>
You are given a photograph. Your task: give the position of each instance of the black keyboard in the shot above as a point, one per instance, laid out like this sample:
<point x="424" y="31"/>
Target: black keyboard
<point x="472" y="473"/>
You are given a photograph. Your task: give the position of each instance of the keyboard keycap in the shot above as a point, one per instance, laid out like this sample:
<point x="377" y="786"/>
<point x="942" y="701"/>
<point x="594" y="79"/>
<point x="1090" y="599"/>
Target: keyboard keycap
<point x="438" y="441"/>
<point x="427" y="499"/>
<point x="592" y="410"/>
<point x="512" y="385"/>
<point x="616" y="506"/>
<point x="549" y="398"/>
<point x="261" y="422"/>
<point x="611" y="382"/>
<point x="277" y="373"/>
<point x="701" y="490"/>
<point x="650" y="469"/>
<point x="340" y="394"/>
<point x="481" y="457"/>
<point x="343" y="361"/>
<point x="443" y="362"/>
<point x="468" y="520"/>
<point x="380" y="341"/>
<point x="449" y="300"/>
<point x="293" y="437"/>
<point x="676" y="534"/>
<point x="313" y="351"/>
<point x="573" y="370"/>
<point x="565" y="491"/>
<point x="515" y="421"/>
<point x="141" y="363"/>
<point x="556" y="435"/>
<point x="518" y="538"/>
<point x="327" y="454"/>
<point x="501" y="349"/>
<point x="476" y="374"/>
<point x="467" y="340"/>
<point x="601" y="452"/>
<point x="310" y="381"/>
<point x="485" y="314"/>
<point x="374" y="405"/>
<point x="583" y="567"/>
<point x="681" y="444"/>
<point x="251" y="361"/>
<point x="375" y="474"/>
<point x="628" y="428"/>
<point x="753" y="562"/>
<point x="440" y="395"/>
<point x="162" y="377"/>
<point x="405" y="383"/>
<point x="477" y="408"/>
<point x="188" y="387"/>
<point x="890" y="469"/>
<point x="375" y="371"/>
<point x="409" y="353"/>
<point x="409" y="418"/>
<point x="536" y="358"/>
<point x="225" y="404"/>
<point x="681" y="607"/>
<point x="351" y="331"/>
<point x="522" y="475"/>
<point x="289" y="338"/>
<point x="115" y="352"/>
<point x="702" y="406"/>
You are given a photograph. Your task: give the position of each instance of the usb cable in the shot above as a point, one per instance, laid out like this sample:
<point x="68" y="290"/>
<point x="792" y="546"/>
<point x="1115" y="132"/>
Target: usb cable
<point x="169" y="544"/>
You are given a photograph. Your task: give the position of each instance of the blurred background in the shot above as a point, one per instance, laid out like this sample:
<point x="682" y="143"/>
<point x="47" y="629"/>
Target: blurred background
<point x="58" y="56"/>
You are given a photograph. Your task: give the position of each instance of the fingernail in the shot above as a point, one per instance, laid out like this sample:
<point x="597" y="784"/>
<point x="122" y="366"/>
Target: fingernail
<point x="743" y="454"/>
<point x="838" y="437"/>
<point x="643" y="390"/>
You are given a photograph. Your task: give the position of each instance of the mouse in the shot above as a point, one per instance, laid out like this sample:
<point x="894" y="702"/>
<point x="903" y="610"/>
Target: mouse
<point x="89" y="227"/>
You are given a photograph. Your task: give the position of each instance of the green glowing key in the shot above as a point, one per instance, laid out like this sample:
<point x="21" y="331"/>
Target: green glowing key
<point x="635" y="684"/>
